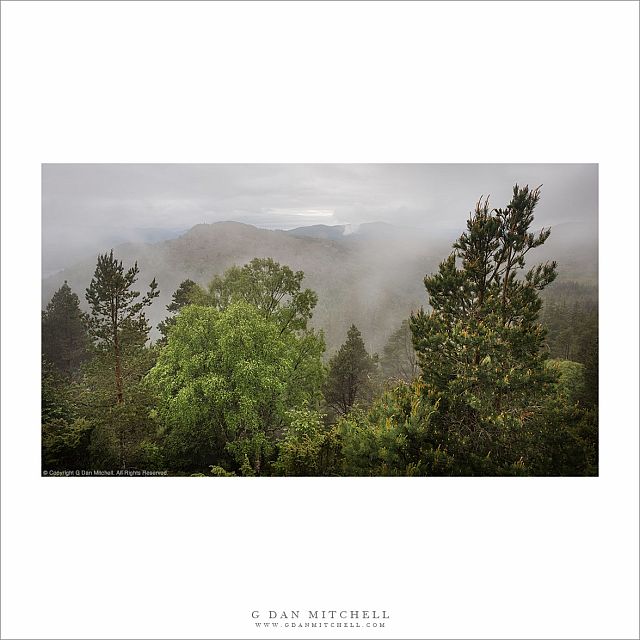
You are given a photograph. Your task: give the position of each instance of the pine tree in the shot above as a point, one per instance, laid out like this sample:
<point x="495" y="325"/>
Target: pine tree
<point x="117" y="318"/>
<point x="350" y="372"/>
<point x="480" y="347"/>
<point x="189" y="292"/>
<point x="65" y="340"/>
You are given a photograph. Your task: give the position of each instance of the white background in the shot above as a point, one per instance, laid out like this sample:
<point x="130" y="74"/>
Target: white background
<point x="319" y="82"/>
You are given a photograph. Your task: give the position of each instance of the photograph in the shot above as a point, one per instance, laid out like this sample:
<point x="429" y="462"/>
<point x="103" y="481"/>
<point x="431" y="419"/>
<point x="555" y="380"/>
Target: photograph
<point x="319" y="320"/>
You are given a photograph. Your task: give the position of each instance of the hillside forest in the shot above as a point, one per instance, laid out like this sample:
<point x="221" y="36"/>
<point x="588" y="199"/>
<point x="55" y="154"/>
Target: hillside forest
<point x="495" y="375"/>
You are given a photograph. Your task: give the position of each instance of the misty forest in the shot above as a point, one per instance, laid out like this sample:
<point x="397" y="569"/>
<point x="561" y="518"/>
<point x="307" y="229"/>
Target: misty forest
<point x="481" y="360"/>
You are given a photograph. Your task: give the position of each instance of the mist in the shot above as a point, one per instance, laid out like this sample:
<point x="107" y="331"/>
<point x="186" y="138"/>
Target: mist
<point x="365" y="235"/>
<point x="86" y="207"/>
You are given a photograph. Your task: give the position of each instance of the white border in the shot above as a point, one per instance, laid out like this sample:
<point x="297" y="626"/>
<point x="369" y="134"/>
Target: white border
<point x="321" y="82"/>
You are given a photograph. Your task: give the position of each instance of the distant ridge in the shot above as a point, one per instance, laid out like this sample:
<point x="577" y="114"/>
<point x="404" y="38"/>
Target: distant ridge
<point x="321" y="231"/>
<point x="371" y="276"/>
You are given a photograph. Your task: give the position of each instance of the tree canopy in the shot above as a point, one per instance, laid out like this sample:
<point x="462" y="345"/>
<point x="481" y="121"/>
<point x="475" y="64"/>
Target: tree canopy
<point x="273" y="289"/>
<point x="480" y="382"/>
<point x="225" y="381"/>
<point x="481" y="342"/>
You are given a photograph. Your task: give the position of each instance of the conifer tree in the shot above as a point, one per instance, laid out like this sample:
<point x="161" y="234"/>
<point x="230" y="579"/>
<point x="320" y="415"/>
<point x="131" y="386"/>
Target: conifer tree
<point x="189" y="292"/>
<point x="350" y="372"/>
<point x="480" y="346"/>
<point x="399" y="360"/>
<point x="117" y="317"/>
<point x="65" y="340"/>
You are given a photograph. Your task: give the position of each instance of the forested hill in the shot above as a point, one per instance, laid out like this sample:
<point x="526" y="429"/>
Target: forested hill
<point x="371" y="276"/>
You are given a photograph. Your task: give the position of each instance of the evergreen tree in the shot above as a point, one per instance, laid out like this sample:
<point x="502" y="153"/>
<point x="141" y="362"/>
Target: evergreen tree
<point x="187" y="293"/>
<point x="114" y="398"/>
<point x="56" y="394"/>
<point x="350" y="371"/>
<point x="480" y="347"/>
<point x="589" y="356"/>
<point x="572" y="329"/>
<point x="117" y="318"/>
<point x="399" y="360"/>
<point x="65" y="436"/>
<point x="65" y="341"/>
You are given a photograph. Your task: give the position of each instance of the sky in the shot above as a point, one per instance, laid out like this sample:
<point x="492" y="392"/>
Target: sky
<point x="92" y="207"/>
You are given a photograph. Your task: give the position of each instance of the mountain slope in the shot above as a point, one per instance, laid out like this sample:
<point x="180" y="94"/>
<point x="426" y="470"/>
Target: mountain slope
<point x="355" y="281"/>
<point x="372" y="277"/>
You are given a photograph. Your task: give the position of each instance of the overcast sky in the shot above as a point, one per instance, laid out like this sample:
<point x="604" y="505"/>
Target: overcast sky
<point x="86" y="207"/>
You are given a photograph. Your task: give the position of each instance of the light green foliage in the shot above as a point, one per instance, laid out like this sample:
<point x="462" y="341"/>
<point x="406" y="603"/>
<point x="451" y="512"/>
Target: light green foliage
<point x="395" y="437"/>
<point x="563" y="433"/>
<point x="570" y="380"/>
<point x="273" y="289"/>
<point x="260" y="360"/>
<point x="301" y="448"/>
<point x="218" y="472"/>
<point x="235" y="387"/>
<point x="405" y="433"/>
<point x="65" y="444"/>
<point x="228" y="378"/>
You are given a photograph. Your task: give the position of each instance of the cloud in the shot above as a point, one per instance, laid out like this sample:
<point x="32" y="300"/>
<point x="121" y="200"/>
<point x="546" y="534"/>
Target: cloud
<point x="85" y="206"/>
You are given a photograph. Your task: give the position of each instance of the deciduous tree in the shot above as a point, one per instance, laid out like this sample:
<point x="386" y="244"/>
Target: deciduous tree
<point x="225" y="381"/>
<point x="273" y="289"/>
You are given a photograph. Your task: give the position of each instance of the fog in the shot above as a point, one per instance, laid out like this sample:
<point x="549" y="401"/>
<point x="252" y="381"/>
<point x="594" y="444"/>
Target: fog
<point x="369" y="274"/>
<point x="87" y="208"/>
